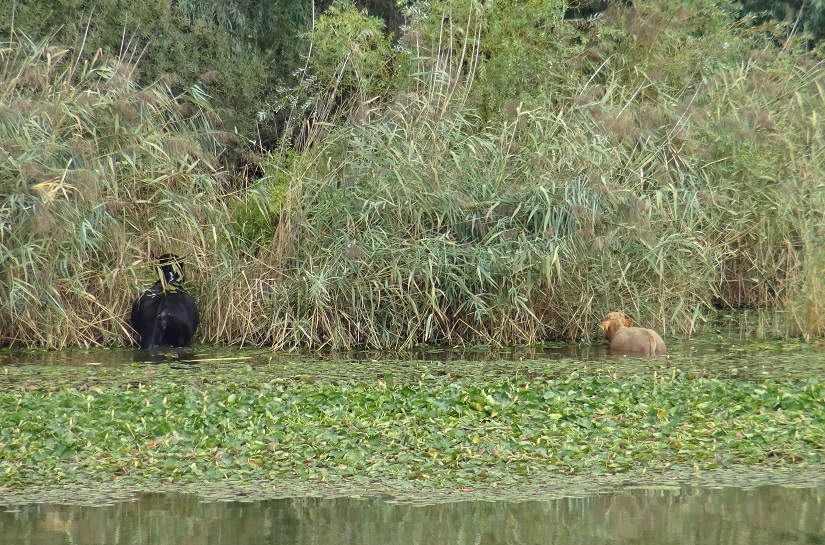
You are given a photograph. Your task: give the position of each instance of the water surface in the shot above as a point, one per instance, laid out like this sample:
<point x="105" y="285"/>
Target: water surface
<point x="706" y="356"/>
<point x="768" y="515"/>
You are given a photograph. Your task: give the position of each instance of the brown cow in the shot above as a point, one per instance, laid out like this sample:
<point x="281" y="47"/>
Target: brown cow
<point x="627" y="340"/>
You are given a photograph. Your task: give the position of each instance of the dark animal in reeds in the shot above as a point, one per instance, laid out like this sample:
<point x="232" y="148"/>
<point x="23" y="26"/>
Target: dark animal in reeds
<point x="627" y="340"/>
<point x="165" y="314"/>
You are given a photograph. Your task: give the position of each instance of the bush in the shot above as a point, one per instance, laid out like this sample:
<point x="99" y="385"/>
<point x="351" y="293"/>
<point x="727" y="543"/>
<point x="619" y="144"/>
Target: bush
<point x="239" y="52"/>
<point x="257" y="212"/>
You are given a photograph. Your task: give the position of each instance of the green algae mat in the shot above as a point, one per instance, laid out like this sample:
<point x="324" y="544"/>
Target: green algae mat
<point x="252" y="422"/>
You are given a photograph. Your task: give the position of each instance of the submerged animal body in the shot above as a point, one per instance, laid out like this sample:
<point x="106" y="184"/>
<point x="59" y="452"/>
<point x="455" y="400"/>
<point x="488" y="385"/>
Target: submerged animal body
<point x="165" y="314"/>
<point x="625" y="339"/>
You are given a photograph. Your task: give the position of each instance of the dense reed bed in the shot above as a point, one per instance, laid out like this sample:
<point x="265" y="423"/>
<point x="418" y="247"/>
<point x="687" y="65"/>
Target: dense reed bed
<point x="96" y="175"/>
<point x="656" y="172"/>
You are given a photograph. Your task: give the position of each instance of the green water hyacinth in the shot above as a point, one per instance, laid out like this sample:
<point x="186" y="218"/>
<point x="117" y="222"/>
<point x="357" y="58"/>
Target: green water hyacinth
<point x="161" y="424"/>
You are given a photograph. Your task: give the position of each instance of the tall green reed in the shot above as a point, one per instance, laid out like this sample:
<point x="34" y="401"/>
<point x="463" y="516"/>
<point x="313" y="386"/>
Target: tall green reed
<point x="97" y="175"/>
<point x="660" y="192"/>
<point x="680" y="173"/>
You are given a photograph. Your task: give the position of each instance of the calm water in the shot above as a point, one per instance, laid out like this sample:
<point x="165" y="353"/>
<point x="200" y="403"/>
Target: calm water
<point x="769" y="515"/>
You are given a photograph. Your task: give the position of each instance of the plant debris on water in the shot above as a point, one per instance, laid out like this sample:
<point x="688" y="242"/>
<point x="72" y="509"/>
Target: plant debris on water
<point x="448" y="425"/>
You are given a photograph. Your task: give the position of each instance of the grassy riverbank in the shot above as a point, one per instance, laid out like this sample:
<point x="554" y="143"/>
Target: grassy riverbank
<point x="444" y="424"/>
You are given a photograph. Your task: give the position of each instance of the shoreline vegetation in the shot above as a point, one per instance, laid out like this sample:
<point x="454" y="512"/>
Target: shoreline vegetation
<point x="483" y="176"/>
<point x="303" y="425"/>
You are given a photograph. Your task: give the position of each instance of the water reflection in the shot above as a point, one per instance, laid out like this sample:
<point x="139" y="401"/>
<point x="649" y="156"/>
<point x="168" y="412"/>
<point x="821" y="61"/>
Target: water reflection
<point x="172" y="356"/>
<point x="256" y="356"/>
<point x="765" y="515"/>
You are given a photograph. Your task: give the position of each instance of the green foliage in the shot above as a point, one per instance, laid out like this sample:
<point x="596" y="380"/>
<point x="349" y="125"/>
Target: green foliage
<point x="797" y="16"/>
<point x="96" y="174"/>
<point x="257" y="214"/>
<point x="237" y="423"/>
<point x="522" y="46"/>
<point x="265" y="25"/>
<point x="349" y="66"/>
<point x="723" y="121"/>
<point x="514" y="52"/>
<point x="350" y="51"/>
<point x="240" y="52"/>
<point x="675" y="174"/>
<point x="504" y="177"/>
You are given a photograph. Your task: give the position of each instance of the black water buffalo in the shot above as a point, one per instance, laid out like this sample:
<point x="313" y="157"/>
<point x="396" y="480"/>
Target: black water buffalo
<point x="165" y="314"/>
